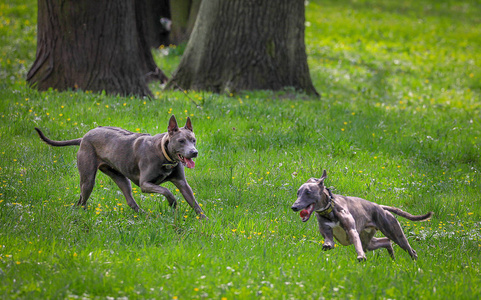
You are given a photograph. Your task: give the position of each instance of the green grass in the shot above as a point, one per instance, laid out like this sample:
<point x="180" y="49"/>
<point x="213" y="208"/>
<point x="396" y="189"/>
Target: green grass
<point x="398" y="123"/>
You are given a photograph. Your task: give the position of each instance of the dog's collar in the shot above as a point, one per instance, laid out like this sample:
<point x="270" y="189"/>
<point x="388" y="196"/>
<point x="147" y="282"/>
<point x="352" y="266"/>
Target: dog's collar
<point x="164" y="152"/>
<point x="328" y="208"/>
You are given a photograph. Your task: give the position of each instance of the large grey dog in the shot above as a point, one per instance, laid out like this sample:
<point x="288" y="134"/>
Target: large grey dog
<point x="141" y="158"/>
<point x="352" y="220"/>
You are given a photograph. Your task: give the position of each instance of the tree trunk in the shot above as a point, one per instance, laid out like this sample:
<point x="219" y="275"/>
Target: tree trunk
<point x="246" y="45"/>
<point x="93" y="45"/>
<point x="153" y="11"/>
<point x="184" y="13"/>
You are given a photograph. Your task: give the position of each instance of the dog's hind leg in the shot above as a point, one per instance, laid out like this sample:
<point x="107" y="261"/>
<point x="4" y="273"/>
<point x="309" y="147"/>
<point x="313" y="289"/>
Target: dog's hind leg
<point x="124" y="185"/>
<point x="377" y="243"/>
<point x="391" y="228"/>
<point x="87" y="170"/>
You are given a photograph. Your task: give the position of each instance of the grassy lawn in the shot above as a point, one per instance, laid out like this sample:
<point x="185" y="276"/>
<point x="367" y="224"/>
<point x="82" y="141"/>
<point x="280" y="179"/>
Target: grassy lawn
<point x="398" y="123"/>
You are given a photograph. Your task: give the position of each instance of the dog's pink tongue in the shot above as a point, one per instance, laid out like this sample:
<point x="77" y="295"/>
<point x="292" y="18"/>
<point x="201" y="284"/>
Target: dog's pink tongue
<point x="190" y="163"/>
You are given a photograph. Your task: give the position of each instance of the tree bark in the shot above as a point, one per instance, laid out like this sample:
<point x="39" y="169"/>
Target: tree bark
<point x="246" y="45"/>
<point x="93" y="45"/>
<point x="184" y="13"/>
<point x="153" y="11"/>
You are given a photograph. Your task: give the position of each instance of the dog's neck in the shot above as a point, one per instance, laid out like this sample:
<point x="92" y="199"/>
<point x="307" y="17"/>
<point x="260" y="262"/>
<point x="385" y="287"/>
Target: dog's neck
<point x="165" y="140"/>
<point x="327" y="209"/>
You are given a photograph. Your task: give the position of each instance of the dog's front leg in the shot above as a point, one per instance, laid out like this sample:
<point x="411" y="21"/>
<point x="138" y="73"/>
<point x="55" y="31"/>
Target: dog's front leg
<point x="188" y="194"/>
<point x="349" y="225"/>
<point x="148" y="187"/>
<point x="326" y="232"/>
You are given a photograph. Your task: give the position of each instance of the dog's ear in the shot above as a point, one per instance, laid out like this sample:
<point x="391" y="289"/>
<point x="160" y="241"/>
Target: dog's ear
<point x="173" y="127"/>
<point x="321" y="180"/>
<point x="188" y="125"/>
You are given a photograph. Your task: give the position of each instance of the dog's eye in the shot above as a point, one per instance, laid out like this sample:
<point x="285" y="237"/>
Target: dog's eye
<point x="181" y="141"/>
<point x="193" y="141"/>
<point x="308" y="192"/>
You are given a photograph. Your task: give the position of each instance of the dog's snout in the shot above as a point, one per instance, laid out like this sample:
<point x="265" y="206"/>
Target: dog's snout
<point x="295" y="208"/>
<point x="194" y="153"/>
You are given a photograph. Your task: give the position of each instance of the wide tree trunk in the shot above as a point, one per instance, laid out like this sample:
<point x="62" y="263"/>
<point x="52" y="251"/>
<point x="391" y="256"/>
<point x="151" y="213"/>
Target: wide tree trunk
<point x="93" y="45"/>
<point x="246" y="45"/>
<point x="156" y="33"/>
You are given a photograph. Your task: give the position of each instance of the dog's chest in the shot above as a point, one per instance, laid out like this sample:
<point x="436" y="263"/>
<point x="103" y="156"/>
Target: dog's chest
<point x="162" y="175"/>
<point x="339" y="233"/>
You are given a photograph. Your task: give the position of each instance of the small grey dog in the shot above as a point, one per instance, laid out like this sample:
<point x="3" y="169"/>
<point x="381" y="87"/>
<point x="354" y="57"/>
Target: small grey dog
<point x="352" y="220"/>
<point x="141" y="158"/>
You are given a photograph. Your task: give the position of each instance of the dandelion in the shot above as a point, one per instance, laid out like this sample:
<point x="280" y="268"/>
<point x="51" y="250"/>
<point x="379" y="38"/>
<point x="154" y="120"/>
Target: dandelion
<point x="74" y="254"/>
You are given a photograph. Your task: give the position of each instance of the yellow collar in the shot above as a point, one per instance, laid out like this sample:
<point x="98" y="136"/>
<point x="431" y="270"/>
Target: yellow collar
<point x="162" y="144"/>
<point x="328" y="208"/>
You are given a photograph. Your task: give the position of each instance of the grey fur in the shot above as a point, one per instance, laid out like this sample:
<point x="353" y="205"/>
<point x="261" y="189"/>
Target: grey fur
<point x="353" y="220"/>
<point x="136" y="157"/>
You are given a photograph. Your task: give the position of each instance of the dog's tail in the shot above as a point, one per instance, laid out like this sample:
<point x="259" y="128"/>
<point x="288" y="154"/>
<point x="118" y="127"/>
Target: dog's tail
<point x="406" y="215"/>
<point x="75" y="142"/>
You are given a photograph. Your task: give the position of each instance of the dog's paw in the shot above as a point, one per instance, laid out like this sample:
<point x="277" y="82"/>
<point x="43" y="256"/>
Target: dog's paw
<point x="326" y="247"/>
<point x="202" y="217"/>
<point x="361" y="258"/>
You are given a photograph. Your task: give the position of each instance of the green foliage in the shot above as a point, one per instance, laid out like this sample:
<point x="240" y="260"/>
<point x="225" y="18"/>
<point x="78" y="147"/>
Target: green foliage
<point x="398" y="123"/>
